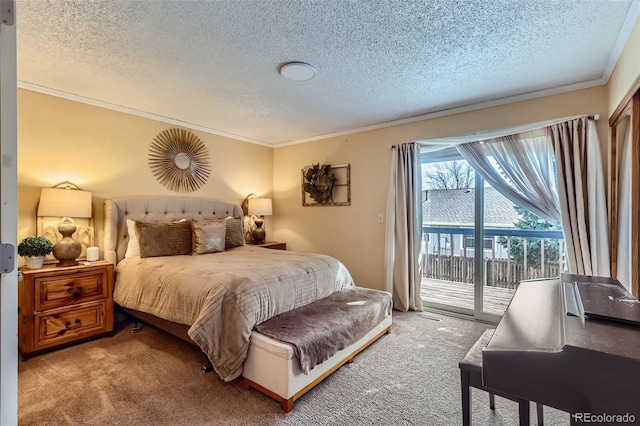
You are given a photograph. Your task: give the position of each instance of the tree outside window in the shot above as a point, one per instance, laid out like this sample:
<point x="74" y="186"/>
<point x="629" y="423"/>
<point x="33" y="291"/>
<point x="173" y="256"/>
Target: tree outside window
<point x="529" y="220"/>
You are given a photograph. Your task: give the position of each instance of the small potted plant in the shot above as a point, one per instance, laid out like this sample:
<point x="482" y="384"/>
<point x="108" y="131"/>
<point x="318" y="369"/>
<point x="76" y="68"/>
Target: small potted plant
<point x="34" y="249"/>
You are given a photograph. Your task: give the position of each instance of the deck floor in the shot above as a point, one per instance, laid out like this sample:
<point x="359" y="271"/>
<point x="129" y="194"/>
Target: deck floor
<point x="452" y="293"/>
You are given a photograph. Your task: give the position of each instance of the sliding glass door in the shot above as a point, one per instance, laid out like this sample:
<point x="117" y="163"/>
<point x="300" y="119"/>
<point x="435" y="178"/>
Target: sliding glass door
<point x="477" y="245"/>
<point x="448" y="236"/>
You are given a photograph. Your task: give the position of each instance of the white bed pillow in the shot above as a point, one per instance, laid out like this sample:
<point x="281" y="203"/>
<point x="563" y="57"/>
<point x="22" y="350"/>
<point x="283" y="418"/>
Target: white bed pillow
<point x="133" y="246"/>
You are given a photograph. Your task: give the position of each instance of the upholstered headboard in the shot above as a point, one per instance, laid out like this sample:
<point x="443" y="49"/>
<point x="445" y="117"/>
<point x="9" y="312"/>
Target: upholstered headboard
<point x="155" y="209"/>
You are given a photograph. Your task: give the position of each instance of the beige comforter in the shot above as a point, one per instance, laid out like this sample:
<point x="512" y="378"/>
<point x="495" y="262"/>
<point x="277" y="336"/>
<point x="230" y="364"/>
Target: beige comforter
<point x="222" y="296"/>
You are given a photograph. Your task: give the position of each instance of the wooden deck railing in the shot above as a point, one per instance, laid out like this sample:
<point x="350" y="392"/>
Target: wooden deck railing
<point x="458" y="263"/>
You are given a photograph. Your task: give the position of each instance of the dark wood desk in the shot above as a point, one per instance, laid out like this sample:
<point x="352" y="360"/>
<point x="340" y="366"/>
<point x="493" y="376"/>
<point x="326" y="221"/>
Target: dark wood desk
<point x="579" y="364"/>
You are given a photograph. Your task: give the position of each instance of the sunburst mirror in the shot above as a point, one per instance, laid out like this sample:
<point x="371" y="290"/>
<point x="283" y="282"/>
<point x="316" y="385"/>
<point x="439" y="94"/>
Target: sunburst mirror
<point x="179" y="160"/>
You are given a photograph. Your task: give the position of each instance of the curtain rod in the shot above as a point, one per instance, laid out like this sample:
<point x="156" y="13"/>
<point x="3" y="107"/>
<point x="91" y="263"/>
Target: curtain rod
<point x="396" y="145"/>
<point x="594" y="117"/>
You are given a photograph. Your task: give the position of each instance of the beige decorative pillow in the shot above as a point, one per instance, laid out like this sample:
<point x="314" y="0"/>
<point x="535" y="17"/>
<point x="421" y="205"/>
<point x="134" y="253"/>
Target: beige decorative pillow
<point x="208" y="236"/>
<point x="133" y="246"/>
<point x="235" y="233"/>
<point x="164" y="238"/>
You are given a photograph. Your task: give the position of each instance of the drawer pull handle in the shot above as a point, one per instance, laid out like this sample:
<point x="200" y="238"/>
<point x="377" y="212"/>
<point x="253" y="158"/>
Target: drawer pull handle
<point x="75" y="292"/>
<point x="68" y="326"/>
<point x="76" y="324"/>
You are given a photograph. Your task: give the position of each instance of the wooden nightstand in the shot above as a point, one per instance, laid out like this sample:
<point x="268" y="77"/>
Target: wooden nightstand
<point x="59" y="306"/>
<point x="275" y="245"/>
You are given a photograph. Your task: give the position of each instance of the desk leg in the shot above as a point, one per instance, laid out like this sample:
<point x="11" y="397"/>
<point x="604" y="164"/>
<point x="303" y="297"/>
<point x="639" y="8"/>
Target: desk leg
<point x="540" y="414"/>
<point x="523" y="409"/>
<point x="466" y="398"/>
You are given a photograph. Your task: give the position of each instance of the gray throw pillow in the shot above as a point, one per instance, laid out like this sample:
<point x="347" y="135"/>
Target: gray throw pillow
<point x="235" y="233"/>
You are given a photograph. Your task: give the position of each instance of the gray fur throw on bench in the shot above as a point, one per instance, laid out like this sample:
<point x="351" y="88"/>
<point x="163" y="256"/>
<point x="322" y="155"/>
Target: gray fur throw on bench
<point x="320" y="329"/>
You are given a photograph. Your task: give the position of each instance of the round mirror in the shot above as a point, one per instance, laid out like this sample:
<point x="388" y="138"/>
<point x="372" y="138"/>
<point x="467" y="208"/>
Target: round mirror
<point x="179" y="160"/>
<point x="182" y="161"/>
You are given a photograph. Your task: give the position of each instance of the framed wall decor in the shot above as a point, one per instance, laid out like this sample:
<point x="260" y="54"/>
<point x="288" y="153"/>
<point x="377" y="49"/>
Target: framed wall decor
<point x="326" y="185"/>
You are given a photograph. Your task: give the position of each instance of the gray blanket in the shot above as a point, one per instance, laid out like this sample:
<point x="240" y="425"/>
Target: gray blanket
<point x="318" y="330"/>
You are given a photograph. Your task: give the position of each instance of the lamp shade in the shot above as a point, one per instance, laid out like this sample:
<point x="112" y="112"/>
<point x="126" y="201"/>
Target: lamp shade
<point x="57" y="202"/>
<point x="260" y="207"/>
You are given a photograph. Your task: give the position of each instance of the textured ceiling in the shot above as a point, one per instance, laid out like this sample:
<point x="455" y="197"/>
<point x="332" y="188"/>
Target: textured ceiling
<point x="214" y="64"/>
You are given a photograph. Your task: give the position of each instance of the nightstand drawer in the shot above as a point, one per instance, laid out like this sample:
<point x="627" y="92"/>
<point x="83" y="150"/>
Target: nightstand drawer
<point x="64" y="290"/>
<point x="66" y="325"/>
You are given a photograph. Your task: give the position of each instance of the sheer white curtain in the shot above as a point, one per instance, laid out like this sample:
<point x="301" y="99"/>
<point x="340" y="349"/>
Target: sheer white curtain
<point x="582" y="197"/>
<point x="580" y="182"/>
<point x="483" y="135"/>
<point x="404" y="228"/>
<point x="520" y="167"/>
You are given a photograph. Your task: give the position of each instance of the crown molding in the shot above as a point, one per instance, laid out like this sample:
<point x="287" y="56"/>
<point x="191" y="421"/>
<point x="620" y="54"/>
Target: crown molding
<point x="455" y="110"/>
<point x="89" y="101"/>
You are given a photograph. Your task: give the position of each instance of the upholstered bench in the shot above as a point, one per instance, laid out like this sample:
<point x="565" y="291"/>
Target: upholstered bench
<point x="273" y="367"/>
<point x="471" y="376"/>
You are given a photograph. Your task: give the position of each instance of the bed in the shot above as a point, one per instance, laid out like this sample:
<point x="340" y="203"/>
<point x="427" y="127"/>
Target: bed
<point x="213" y="299"/>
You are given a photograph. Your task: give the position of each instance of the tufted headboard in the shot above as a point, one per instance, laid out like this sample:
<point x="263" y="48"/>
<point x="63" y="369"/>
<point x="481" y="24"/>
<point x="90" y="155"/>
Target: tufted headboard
<point x="155" y="209"/>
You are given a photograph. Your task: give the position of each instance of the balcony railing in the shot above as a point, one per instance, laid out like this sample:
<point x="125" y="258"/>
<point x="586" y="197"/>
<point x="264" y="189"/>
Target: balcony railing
<point x="509" y="255"/>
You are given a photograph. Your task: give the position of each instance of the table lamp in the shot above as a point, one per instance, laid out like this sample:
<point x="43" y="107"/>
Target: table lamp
<point x="67" y="203"/>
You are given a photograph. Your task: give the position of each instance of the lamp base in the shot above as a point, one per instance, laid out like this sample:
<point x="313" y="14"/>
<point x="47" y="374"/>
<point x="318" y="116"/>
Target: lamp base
<point x="67" y="249"/>
<point x="64" y="263"/>
<point x="258" y="235"/>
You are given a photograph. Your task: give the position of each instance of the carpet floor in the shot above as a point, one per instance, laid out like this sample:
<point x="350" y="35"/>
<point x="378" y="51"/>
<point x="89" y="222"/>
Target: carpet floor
<point x="409" y="377"/>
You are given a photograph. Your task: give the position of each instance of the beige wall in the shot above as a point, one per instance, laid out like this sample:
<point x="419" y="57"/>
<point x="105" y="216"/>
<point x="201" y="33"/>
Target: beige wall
<point x="626" y="71"/>
<point x="105" y="152"/>
<point x="352" y="234"/>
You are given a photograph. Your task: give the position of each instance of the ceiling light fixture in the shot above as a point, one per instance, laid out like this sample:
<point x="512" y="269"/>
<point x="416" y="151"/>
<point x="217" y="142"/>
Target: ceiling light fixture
<point x="297" y="71"/>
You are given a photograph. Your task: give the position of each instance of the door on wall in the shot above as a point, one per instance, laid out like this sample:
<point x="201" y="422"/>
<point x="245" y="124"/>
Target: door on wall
<point x="8" y="217"/>
<point x="624" y="184"/>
